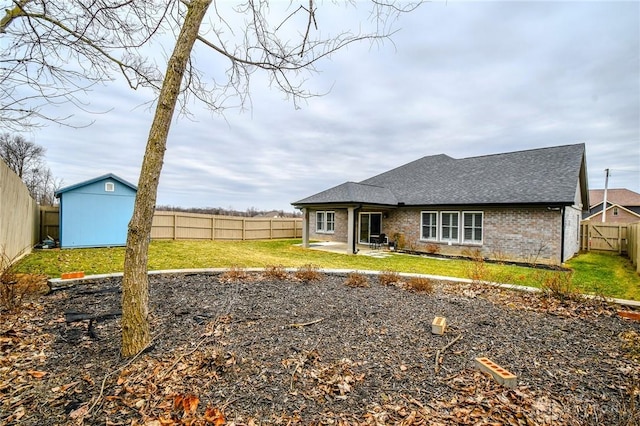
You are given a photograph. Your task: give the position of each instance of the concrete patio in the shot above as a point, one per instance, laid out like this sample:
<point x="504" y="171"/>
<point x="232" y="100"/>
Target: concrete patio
<point x="341" y="248"/>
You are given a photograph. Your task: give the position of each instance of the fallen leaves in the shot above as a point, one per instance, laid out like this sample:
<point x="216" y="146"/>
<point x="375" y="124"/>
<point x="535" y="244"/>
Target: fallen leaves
<point x="187" y="403"/>
<point x="477" y="401"/>
<point x="37" y="374"/>
<point x="214" y="416"/>
<point x="369" y="361"/>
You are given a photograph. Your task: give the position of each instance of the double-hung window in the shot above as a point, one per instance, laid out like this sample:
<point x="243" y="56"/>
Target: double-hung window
<point x="449" y="226"/>
<point x="429" y="226"/>
<point x="472" y="222"/>
<point x="325" y="222"/>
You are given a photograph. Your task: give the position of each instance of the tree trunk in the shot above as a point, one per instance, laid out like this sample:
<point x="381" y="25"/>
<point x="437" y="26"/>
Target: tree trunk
<point x="135" y="283"/>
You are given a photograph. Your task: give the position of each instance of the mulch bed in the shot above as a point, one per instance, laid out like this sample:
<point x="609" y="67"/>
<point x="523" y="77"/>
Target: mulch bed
<point x="249" y="350"/>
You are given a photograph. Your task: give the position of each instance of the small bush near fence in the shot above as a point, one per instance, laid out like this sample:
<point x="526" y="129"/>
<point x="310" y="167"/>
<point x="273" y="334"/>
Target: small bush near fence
<point x="15" y="287"/>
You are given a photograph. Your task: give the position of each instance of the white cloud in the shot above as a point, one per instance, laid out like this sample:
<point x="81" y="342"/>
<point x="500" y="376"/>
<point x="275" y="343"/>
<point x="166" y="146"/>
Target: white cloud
<point x="463" y="79"/>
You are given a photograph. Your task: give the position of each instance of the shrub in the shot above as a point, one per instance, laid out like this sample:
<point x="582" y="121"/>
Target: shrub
<point x="356" y="279"/>
<point x="14" y="287"/>
<point x="476" y="270"/>
<point x="559" y="285"/>
<point x="389" y="278"/>
<point x="399" y="240"/>
<point x="420" y="285"/>
<point x="235" y="273"/>
<point x="432" y="248"/>
<point x="308" y="273"/>
<point x="275" y="272"/>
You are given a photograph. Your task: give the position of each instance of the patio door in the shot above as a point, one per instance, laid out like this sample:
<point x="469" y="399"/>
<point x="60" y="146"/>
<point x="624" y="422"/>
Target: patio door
<point x="370" y="224"/>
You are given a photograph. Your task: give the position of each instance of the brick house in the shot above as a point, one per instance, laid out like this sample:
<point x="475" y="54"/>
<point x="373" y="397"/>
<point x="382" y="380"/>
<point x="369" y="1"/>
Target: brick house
<point x="519" y="206"/>
<point x="623" y="206"/>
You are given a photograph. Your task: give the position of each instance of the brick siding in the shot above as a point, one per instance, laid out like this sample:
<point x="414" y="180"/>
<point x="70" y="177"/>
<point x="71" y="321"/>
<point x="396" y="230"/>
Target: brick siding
<point x="527" y="234"/>
<point x="515" y="234"/>
<point x="340" y="232"/>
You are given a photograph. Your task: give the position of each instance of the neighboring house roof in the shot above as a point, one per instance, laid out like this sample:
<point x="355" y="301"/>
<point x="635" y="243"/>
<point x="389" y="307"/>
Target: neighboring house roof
<point x="97" y="179"/>
<point x="610" y="209"/>
<point x="620" y="196"/>
<point x="538" y="176"/>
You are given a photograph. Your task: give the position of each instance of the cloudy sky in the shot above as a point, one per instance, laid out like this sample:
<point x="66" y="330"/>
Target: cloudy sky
<point x="460" y="78"/>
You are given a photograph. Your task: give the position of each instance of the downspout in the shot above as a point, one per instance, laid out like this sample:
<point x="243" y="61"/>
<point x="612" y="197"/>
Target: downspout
<point x="562" y="236"/>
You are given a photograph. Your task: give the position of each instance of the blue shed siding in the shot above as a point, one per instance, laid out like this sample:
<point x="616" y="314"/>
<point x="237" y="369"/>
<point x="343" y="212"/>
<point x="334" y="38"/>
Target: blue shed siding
<point x="93" y="217"/>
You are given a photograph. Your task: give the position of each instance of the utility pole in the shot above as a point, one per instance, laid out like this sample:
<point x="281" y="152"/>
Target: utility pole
<point x="604" y="198"/>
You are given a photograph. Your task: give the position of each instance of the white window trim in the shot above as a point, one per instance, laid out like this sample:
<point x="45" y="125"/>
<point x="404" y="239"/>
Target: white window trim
<point x="436" y="238"/>
<point x="109" y="187"/>
<point x="473" y="242"/>
<point x="320" y="222"/>
<point x="460" y="240"/>
<point x="327" y="221"/>
<point x="440" y="233"/>
<point x="324" y="222"/>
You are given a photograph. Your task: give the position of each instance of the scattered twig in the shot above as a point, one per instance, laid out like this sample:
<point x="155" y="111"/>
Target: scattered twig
<point x="440" y="353"/>
<point x="165" y="372"/>
<point x="104" y="381"/>
<point x="304" y="324"/>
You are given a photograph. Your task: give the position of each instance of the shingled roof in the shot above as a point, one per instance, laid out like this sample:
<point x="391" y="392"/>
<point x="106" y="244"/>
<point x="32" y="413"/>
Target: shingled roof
<point x="619" y="196"/>
<point x="537" y="176"/>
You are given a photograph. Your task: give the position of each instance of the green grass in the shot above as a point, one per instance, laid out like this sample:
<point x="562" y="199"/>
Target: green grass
<point x="607" y="274"/>
<point x="603" y="274"/>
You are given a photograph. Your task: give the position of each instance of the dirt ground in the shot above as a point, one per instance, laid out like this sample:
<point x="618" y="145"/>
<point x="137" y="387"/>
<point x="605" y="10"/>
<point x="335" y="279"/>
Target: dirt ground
<point x="256" y="350"/>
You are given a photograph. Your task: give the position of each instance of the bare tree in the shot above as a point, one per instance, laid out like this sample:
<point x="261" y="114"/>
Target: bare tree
<point x="26" y="159"/>
<point x="101" y="36"/>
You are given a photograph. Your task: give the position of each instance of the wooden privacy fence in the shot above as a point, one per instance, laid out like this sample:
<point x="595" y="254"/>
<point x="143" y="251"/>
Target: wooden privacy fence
<point x="604" y="236"/>
<point x="49" y="222"/>
<point x="18" y="216"/>
<point x="195" y="226"/>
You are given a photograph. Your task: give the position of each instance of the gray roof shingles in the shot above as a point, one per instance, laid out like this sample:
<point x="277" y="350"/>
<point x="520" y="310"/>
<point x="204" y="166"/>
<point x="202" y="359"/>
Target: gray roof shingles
<point x="545" y="175"/>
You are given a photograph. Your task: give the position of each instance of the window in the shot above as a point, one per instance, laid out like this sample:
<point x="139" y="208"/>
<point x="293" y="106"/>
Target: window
<point x="331" y="221"/>
<point x="449" y="226"/>
<point x="325" y="222"/>
<point x="615" y="211"/>
<point x="472" y="227"/>
<point x="109" y="186"/>
<point x="429" y="226"/>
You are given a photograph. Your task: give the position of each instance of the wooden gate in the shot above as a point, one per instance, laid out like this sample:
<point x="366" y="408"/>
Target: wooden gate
<point x="603" y="236"/>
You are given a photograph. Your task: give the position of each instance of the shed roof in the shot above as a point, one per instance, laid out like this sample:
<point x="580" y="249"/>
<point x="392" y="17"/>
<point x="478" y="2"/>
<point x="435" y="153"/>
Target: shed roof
<point x="97" y="179"/>
<point x="537" y="176"/>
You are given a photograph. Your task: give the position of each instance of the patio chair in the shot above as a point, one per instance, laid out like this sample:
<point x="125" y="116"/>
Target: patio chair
<point x="377" y="241"/>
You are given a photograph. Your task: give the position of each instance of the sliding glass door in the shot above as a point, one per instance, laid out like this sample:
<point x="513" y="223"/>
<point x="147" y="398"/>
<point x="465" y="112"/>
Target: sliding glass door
<point x="370" y="224"/>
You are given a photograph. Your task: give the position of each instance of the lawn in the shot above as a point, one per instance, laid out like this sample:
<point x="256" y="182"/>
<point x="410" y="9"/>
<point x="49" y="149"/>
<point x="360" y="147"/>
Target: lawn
<point x="599" y="273"/>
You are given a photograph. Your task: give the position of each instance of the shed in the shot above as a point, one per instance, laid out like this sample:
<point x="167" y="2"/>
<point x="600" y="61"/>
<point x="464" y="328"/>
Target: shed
<point x="96" y="212"/>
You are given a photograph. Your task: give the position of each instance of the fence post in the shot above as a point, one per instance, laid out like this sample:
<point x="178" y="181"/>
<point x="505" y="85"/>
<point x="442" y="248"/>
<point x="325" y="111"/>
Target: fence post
<point x="175" y="226"/>
<point x="619" y="239"/>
